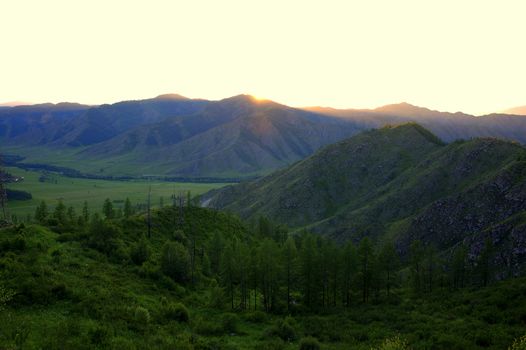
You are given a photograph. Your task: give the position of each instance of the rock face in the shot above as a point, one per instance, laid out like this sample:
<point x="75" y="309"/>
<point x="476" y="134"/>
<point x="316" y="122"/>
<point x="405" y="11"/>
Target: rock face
<point x="403" y="184"/>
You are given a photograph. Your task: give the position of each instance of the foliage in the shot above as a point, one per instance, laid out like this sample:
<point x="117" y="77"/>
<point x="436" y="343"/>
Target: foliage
<point x="175" y="261"/>
<point x="79" y="289"/>
<point x="177" y="312"/>
<point x="309" y="343"/>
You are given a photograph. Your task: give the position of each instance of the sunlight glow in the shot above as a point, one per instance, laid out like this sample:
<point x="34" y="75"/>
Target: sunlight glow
<point x="446" y="55"/>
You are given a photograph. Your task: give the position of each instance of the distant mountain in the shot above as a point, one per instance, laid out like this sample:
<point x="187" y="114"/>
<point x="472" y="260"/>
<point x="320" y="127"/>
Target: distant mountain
<point x="517" y="110"/>
<point x="448" y="126"/>
<point x="14" y="103"/>
<point x="234" y="137"/>
<point x="72" y="125"/>
<point x="398" y="183"/>
<point x="237" y="135"/>
<point x="37" y="124"/>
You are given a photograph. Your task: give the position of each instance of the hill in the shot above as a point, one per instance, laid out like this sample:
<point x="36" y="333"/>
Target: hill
<point x="238" y="135"/>
<point x="235" y="137"/>
<point x="448" y="126"/>
<point x="202" y="280"/>
<point x="398" y="183"/>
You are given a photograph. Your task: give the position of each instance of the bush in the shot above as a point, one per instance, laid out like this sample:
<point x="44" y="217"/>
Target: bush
<point x="229" y="323"/>
<point x="177" y="312"/>
<point x="284" y="329"/>
<point x="271" y="344"/>
<point x="256" y="317"/>
<point x="519" y="344"/>
<point x="175" y="261"/>
<point x="140" y="252"/>
<point x="205" y="327"/>
<point x="394" y="343"/>
<point x="141" y="317"/>
<point x="309" y="343"/>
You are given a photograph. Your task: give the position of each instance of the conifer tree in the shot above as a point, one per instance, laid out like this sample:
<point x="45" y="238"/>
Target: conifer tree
<point x="41" y="212"/>
<point x="107" y="209"/>
<point x="290" y="258"/>
<point x="350" y="264"/>
<point x="128" y="211"/>
<point x="388" y="263"/>
<point x="417" y="257"/>
<point x="365" y="254"/>
<point x="85" y="212"/>
<point x="60" y="213"/>
<point x="484" y="262"/>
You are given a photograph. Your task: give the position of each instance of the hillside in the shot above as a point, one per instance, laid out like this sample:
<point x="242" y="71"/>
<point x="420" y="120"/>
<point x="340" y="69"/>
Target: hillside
<point x="204" y="281"/>
<point x="69" y="124"/>
<point x="238" y="135"/>
<point x="235" y="137"/>
<point x="401" y="183"/>
<point x="448" y="126"/>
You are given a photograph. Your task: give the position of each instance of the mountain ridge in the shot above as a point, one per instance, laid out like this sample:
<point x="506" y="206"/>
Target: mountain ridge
<point x="177" y="136"/>
<point x="398" y="183"/>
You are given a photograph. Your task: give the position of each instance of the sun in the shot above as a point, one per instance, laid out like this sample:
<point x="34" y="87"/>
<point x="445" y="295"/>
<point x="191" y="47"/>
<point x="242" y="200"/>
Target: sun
<point x="258" y="98"/>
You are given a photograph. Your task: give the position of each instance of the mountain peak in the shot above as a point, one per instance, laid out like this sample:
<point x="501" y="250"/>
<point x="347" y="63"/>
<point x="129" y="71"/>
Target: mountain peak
<point x="400" y="107"/>
<point x="171" y="97"/>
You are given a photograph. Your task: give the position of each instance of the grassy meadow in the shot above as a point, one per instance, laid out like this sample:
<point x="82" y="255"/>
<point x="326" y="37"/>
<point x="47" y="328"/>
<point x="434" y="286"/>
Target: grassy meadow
<point x="74" y="191"/>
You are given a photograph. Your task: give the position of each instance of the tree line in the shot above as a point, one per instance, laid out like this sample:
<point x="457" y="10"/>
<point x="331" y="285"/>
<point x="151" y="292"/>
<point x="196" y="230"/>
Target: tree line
<point x="272" y="270"/>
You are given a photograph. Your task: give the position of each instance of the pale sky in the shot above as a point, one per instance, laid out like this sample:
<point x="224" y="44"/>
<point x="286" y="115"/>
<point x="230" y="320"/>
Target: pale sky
<point x="446" y="55"/>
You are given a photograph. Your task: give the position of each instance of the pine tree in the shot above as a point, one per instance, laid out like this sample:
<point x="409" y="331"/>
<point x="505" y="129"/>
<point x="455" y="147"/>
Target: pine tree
<point x="128" y="211"/>
<point x="458" y="266"/>
<point x="350" y="264"/>
<point x="71" y="214"/>
<point x="308" y="267"/>
<point x="41" y="212"/>
<point x="484" y="262"/>
<point x="290" y="258"/>
<point x="60" y="213"/>
<point x="215" y="251"/>
<point x="228" y="269"/>
<point x="417" y="256"/>
<point x="85" y="212"/>
<point x="365" y="254"/>
<point x="107" y="209"/>
<point x="388" y="263"/>
<point x="430" y="268"/>
<point x="268" y="263"/>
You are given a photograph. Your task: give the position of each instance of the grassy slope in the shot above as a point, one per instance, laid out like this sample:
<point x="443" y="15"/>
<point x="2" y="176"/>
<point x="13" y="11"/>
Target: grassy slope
<point x="375" y="182"/>
<point x="81" y="299"/>
<point x="75" y="191"/>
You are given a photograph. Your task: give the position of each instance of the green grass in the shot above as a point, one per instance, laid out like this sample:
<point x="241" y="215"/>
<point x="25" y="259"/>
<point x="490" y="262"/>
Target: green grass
<point x="74" y="191"/>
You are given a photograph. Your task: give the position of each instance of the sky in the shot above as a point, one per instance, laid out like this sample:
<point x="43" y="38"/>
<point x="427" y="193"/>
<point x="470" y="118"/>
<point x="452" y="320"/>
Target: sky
<point x="447" y="55"/>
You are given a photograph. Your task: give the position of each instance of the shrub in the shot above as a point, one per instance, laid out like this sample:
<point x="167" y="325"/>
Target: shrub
<point x="284" y="329"/>
<point x="141" y="317"/>
<point x="309" y="343"/>
<point x="177" y="312"/>
<point x="140" y="252"/>
<point x="175" y="261"/>
<point x="519" y="344"/>
<point x="229" y="323"/>
<point x="394" y="343"/>
<point x="271" y="344"/>
<point x="205" y="327"/>
<point x="256" y="317"/>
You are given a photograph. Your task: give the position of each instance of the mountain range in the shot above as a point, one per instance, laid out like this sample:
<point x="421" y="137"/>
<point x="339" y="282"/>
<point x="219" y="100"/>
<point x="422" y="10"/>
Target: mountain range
<point x="238" y="136"/>
<point x="398" y="183"/>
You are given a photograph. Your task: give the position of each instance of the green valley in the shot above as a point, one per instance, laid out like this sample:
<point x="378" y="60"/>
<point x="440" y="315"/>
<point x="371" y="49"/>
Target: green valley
<point x="52" y="187"/>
